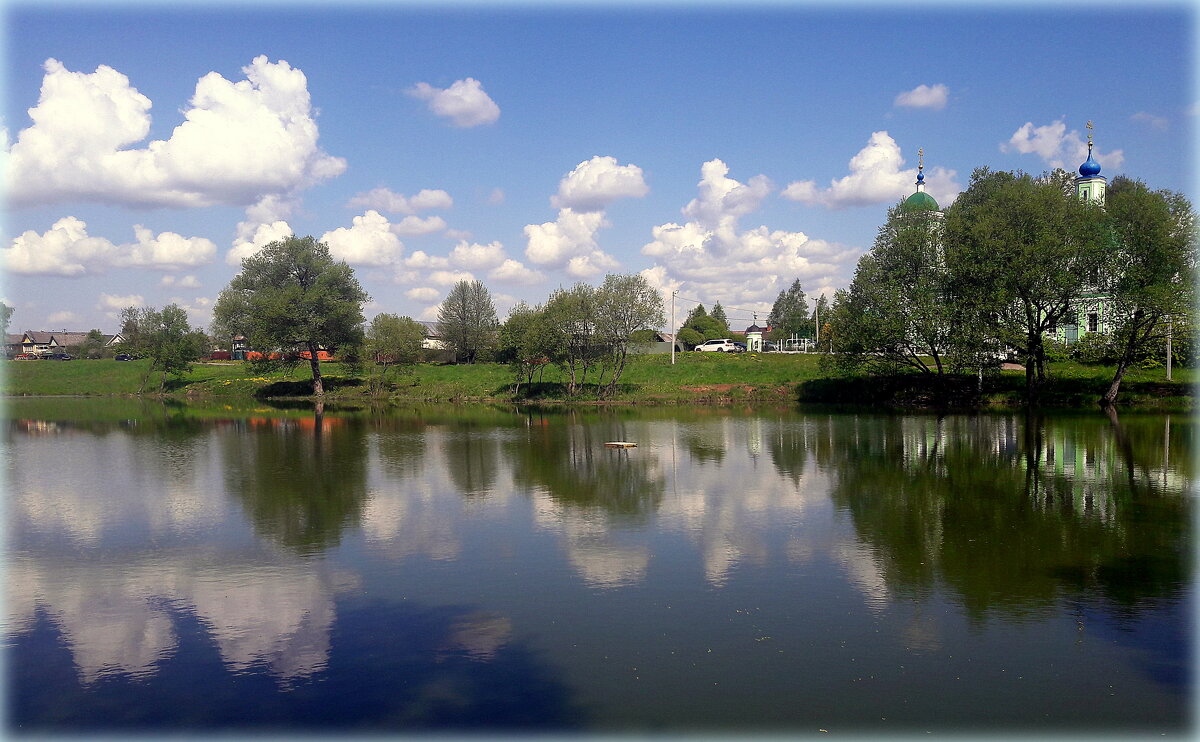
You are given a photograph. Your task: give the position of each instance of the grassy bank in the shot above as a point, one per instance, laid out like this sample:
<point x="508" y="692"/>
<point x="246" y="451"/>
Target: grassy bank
<point x="696" y="378"/>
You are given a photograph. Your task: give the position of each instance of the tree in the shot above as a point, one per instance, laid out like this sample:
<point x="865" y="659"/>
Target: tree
<point x="706" y="325"/>
<point x="718" y="315"/>
<point x="135" y="329"/>
<point x="572" y="314"/>
<point x="689" y="337"/>
<point x="92" y="345"/>
<point x="165" y="337"/>
<point x="624" y="305"/>
<point x="789" y="314"/>
<point x="1150" y="275"/>
<point x="898" y="308"/>
<point x="6" y="313"/>
<point x="467" y="320"/>
<point x="1020" y="251"/>
<point x="527" y="341"/>
<point x="394" y="341"/>
<point x="291" y="294"/>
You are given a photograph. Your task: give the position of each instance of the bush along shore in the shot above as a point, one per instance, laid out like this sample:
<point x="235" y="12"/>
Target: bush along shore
<point x="695" y="378"/>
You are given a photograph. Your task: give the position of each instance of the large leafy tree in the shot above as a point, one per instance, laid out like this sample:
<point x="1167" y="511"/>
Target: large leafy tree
<point x="1020" y="251"/>
<point x="573" y="315"/>
<point x="527" y="342"/>
<point x="707" y="326"/>
<point x="290" y="294"/>
<point x="6" y="313"/>
<point x="897" y="310"/>
<point x="789" y="314"/>
<point x="1150" y="275"/>
<point x="624" y="305"/>
<point x="165" y="337"/>
<point x="467" y="320"/>
<point x="393" y="341"/>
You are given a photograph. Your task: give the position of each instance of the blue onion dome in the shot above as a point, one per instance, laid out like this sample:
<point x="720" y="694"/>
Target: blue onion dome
<point x="1090" y="167"/>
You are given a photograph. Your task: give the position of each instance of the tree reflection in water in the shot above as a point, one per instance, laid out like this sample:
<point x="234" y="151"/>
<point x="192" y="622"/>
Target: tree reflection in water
<point x="1013" y="514"/>
<point x="567" y="458"/>
<point x="301" y="480"/>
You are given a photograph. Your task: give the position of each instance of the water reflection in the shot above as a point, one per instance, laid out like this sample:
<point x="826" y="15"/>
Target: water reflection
<point x="301" y="480"/>
<point x="1010" y="513"/>
<point x="513" y="570"/>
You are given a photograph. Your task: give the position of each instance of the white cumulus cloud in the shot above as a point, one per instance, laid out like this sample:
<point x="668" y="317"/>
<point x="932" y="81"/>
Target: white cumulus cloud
<point x="877" y="176"/>
<point x="63" y="318"/>
<point x="422" y="260"/>
<point x="238" y="141"/>
<point x="413" y="225"/>
<point x="184" y="282"/>
<point x="1058" y="147"/>
<point x="596" y="183"/>
<point x="253" y="237"/>
<point x="370" y="241"/>
<point x="474" y="256"/>
<point x="113" y="303"/>
<point x="710" y="257"/>
<point x="423" y="294"/>
<point x="569" y="243"/>
<point x="66" y="249"/>
<point x="513" y="272"/>
<point x="448" y="278"/>
<point x="465" y="103"/>
<point x="924" y="96"/>
<point x="383" y="199"/>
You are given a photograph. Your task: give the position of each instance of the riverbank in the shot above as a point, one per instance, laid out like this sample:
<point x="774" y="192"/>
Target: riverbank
<point x="695" y="378"/>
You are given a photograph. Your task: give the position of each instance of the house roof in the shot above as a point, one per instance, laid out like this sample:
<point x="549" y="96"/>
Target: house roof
<point x="44" y="337"/>
<point x="40" y="337"/>
<point x="70" y="338"/>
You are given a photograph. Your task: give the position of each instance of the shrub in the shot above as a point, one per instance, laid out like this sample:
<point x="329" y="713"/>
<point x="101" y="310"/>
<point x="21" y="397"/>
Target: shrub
<point x="1056" y="350"/>
<point x="1093" y="348"/>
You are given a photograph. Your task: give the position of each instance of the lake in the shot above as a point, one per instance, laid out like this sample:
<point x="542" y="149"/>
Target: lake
<point x="266" y="569"/>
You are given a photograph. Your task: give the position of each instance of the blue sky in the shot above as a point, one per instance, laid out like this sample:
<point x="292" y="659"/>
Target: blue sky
<point x="724" y="151"/>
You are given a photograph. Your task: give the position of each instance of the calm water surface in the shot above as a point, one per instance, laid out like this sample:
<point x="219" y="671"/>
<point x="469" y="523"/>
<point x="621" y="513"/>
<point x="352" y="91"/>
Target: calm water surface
<point x="211" y="569"/>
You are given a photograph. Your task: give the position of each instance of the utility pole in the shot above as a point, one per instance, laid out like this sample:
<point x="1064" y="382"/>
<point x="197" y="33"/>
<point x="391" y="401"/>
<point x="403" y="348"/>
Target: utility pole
<point x="674" y="332"/>
<point x="1169" y="354"/>
<point x="817" y="314"/>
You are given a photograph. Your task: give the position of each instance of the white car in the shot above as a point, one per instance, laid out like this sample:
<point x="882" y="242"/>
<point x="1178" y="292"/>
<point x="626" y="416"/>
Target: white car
<point x="724" y="345"/>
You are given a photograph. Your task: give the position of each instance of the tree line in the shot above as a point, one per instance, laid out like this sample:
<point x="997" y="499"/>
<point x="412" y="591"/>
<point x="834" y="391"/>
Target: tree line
<point x="292" y="294"/>
<point x="1009" y="262"/>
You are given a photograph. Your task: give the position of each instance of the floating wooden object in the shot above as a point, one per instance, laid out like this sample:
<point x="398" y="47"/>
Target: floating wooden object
<point x="620" y="444"/>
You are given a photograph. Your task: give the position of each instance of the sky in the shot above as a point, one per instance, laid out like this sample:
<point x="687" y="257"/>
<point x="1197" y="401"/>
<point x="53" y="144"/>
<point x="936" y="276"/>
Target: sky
<point x="722" y="151"/>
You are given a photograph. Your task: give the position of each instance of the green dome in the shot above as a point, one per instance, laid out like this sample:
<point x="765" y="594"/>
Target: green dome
<point x="919" y="201"/>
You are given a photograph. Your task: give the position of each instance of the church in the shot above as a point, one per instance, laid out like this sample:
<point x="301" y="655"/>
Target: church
<point x="1090" y="312"/>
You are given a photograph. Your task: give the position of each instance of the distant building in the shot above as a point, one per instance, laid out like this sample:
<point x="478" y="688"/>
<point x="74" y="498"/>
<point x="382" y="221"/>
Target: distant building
<point x="1091" y="312"/>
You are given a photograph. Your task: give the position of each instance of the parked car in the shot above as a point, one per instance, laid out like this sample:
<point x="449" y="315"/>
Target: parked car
<point x="26" y="357"/>
<point x="741" y="347"/>
<point x="723" y="345"/>
<point x="59" y="357"/>
<point x="122" y="357"/>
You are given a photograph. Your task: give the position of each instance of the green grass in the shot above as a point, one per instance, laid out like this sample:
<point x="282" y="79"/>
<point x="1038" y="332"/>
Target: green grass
<point x="694" y="378"/>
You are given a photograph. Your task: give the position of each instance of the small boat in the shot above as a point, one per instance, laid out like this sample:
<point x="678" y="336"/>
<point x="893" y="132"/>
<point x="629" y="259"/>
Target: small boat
<point x="620" y="444"/>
